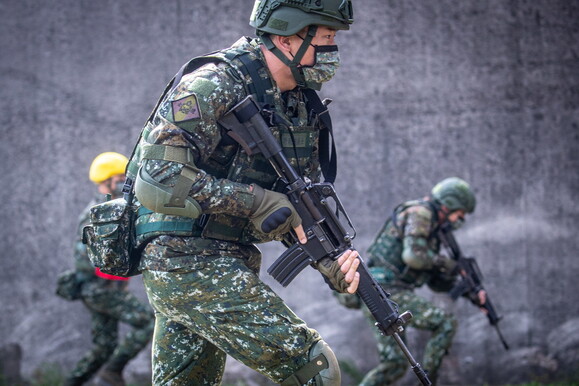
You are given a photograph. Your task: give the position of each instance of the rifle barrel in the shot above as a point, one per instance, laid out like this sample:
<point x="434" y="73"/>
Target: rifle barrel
<point x="418" y="370"/>
<point x="503" y="341"/>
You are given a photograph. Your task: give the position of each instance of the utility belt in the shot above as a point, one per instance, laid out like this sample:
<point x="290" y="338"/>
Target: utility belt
<point x="149" y="225"/>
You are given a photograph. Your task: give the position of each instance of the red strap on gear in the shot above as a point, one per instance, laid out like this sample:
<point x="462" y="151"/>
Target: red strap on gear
<point x="99" y="273"/>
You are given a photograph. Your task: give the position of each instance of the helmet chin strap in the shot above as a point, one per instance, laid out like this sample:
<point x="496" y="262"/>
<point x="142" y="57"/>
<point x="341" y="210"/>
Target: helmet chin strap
<point x="293" y="64"/>
<point x="438" y="209"/>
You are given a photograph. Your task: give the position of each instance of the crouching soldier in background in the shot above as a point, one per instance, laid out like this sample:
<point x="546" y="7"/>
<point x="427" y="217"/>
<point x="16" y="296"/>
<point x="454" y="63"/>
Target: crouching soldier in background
<point x="106" y="296"/>
<point x="404" y="256"/>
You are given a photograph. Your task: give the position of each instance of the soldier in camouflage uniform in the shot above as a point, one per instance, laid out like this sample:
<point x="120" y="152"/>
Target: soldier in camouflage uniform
<point x="206" y="203"/>
<point x="406" y="255"/>
<point x="106" y="296"/>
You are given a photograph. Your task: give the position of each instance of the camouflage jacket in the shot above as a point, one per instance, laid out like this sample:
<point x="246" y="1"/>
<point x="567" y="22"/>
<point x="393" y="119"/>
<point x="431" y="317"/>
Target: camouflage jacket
<point x="404" y="252"/>
<point x="188" y="118"/>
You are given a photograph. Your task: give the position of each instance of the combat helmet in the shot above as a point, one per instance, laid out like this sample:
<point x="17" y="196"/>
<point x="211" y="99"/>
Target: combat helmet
<point x="455" y="194"/>
<point x="106" y="165"/>
<point x="288" y="17"/>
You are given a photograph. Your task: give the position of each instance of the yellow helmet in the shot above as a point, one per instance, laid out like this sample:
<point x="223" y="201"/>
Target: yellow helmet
<point x="106" y="165"/>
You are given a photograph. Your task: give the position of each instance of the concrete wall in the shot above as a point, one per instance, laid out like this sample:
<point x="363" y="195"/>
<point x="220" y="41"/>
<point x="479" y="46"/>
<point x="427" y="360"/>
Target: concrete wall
<point x="487" y="90"/>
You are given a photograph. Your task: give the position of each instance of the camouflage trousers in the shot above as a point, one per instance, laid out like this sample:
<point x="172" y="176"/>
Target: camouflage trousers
<point x="425" y="316"/>
<point x="110" y="303"/>
<point x="218" y="306"/>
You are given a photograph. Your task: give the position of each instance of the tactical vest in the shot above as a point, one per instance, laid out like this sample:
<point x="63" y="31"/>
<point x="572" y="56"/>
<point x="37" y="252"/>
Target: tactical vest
<point x="298" y="133"/>
<point x="386" y="250"/>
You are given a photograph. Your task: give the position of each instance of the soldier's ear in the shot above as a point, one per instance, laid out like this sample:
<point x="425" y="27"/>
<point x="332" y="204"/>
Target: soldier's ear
<point x="283" y="43"/>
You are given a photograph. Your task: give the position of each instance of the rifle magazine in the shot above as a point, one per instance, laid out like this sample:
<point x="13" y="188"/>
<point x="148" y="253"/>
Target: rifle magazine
<point x="289" y="264"/>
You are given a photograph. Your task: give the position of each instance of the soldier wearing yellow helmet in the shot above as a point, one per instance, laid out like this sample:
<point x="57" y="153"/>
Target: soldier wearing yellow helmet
<point x="106" y="296"/>
<point x="107" y="171"/>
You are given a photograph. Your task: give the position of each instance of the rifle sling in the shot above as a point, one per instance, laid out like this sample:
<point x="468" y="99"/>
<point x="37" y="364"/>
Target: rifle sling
<point x="328" y="156"/>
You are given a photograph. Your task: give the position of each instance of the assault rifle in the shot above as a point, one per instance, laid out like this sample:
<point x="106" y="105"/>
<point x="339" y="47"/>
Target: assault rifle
<point x="471" y="281"/>
<point x="319" y="208"/>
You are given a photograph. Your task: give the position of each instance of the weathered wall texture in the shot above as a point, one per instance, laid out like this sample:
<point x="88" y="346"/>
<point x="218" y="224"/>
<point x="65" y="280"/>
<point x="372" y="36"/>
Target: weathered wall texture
<point x="487" y="90"/>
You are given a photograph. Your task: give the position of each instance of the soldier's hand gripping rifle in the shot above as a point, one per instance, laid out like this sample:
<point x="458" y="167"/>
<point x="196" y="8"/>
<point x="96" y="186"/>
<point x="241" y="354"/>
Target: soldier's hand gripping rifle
<point x="471" y="279"/>
<point x="327" y="237"/>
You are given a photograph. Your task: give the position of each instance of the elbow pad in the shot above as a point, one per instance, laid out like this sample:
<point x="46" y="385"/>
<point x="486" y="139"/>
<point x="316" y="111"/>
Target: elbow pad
<point x="414" y="261"/>
<point x="165" y="199"/>
<point x="416" y="253"/>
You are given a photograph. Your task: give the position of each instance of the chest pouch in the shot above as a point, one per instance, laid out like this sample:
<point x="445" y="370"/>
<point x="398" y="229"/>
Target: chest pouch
<point x="110" y="238"/>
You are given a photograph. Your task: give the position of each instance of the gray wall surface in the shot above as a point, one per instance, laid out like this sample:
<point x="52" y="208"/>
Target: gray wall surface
<point x="487" y="90"/>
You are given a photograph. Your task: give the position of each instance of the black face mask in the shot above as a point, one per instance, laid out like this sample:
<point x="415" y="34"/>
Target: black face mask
<point x="116" y="189"/>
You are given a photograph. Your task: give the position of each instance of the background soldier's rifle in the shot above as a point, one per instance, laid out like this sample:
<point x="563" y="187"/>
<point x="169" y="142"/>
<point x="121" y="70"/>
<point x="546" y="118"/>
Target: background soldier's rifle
<point x="319" y="208"/>
<point x="471" y="279"/>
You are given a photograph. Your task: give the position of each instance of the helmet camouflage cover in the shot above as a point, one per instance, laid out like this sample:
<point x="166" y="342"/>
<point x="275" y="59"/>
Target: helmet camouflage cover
<point x="455" y="194"/>
<point x="288" y="17"/>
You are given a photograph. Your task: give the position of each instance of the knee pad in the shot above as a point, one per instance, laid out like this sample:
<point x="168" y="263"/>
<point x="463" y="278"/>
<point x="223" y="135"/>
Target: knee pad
<point x="322" y="367"/>
<point x="330" y="376"/>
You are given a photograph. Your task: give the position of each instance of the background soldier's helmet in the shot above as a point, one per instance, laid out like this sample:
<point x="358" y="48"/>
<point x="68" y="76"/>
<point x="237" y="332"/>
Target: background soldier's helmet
<point x="106" y="165"/>
<point x="455" y="194"/>
<point x="288" y="17"/>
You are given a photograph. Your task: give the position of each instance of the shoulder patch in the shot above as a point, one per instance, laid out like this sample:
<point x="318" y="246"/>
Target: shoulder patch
<point x="185" y="109"/>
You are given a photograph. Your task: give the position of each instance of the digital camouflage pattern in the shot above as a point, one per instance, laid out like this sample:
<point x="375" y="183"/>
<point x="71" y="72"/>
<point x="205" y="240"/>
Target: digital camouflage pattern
<point x="109" y="303"/>
<point x="326" y="64"/>
<point x="425" y="316"/>
<point x="108" y="238"/>
<point x="205" y="288"/>
<point x="225" y="173"/>
<point x="403" y="254"/>
<point x="219" y="306"/>
<point x="403" y="257"/>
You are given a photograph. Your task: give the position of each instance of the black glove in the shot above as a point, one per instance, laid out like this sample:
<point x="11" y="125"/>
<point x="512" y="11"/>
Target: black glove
<point x="444" y="264"/>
